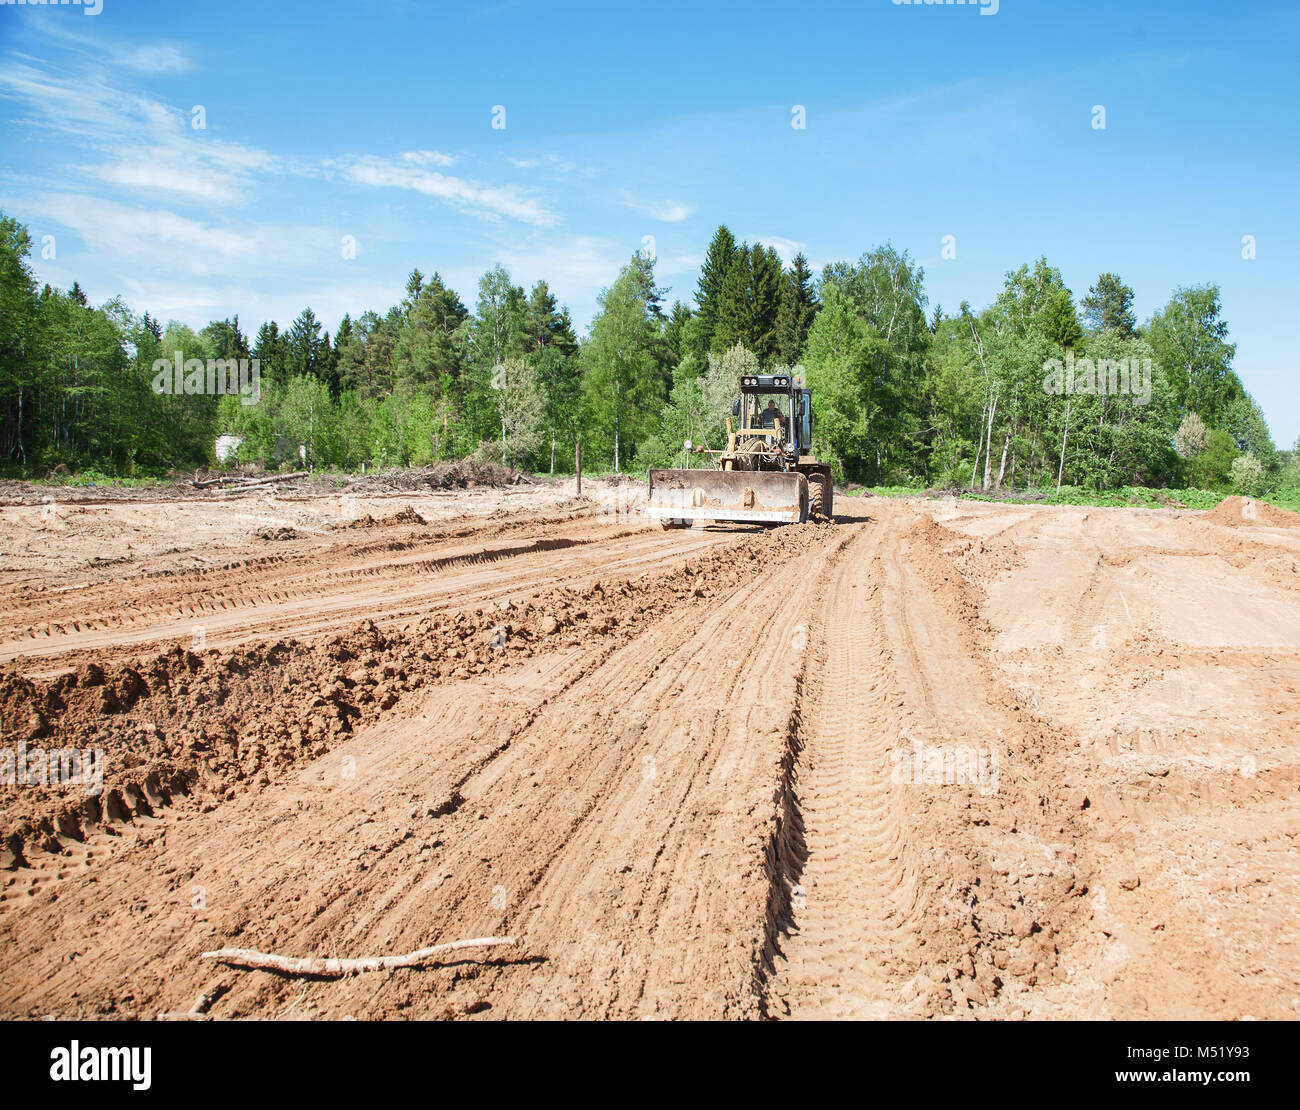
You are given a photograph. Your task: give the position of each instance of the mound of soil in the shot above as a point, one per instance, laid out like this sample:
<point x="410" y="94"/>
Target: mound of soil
<point x="407" y="516"/>
<point x="1238" y="512"/>
<point x="465" y="474"/>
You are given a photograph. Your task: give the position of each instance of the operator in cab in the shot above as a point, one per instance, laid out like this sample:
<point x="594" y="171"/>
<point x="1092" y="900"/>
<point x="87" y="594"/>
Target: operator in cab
<point x="771" y="417"/>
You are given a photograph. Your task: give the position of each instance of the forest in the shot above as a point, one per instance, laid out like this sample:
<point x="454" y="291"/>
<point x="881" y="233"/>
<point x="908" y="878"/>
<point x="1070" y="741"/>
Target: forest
<point x="1040" y="389"/>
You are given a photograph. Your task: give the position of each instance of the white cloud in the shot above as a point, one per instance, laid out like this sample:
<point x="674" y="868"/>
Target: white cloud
<point x="666" y="211"/>
<point x="579" y="261"/>
<point x="428" y="158"/>
<point x="576" y="267"/>
<point x="163" y="242"/>
<point x="786" y="248"/>
<point x="678" y="264"/>
<point x="165" y="301"/>
<point x="155" y="57"/>
<point x="146" y="143"/>
<point x="132" y="232"/>
<point x="162" y="174"/>
<point x="488" y="201"/>
<point x="561" y="164"/>
<point x="557" y="164"/>
<point x="162" y="56"/>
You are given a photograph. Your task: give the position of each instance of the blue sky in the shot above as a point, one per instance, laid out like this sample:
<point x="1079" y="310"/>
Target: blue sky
<point x="374" y="120"/>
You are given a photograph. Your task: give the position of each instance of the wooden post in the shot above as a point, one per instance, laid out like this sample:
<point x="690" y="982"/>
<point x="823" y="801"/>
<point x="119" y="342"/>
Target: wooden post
<point x="577" y="462"/>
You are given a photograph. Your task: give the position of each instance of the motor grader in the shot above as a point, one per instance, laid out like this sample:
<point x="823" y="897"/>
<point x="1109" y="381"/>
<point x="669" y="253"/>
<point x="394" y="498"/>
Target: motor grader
<point x="765" y="474"/>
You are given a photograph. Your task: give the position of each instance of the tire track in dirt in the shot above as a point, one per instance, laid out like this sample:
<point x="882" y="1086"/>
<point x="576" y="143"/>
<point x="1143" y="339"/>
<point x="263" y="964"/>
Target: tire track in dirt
<point x="139" y="585"/>
<point x="692" y="807"/>
<point x="315" y="602"/>
<point x="685" y="812"/>
<point x="917" y="779"/>
<point x="614" y="809"/>
<point x="852" y="891"/>
<point x="234" y="594"/>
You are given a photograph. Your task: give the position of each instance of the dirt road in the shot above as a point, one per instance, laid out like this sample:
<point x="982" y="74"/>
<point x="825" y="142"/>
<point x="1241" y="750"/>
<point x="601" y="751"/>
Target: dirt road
<point x="932" y="759"/>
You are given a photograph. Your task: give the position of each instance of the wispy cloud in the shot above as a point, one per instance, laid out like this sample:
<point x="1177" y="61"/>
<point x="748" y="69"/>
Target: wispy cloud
<point x="145" y="143"/>
<point x="577" y="262"/>
<point x="184" y="221"/>
<point x="427" y="158"/>
<point x="487" y="201"/>
<point x="666" y="211"/>
<point x="786" y="248"/>
<point x="556" y="165"/>
<point x="153" y="57"/>
<point x="678" y="264"/>
<point x="165" y="242"/>
<point x="160" y="56"/>
<point x="139" y="233"/>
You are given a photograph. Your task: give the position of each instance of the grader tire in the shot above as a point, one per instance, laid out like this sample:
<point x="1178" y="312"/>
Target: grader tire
<point x="820" y="497"/>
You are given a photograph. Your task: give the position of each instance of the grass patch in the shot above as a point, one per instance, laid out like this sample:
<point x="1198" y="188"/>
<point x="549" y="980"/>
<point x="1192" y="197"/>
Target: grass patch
<point x="98" y="478"/>
<point x="1135" y="497"/>
<point x="890" y="491"/>
<point x="1284" y="499"/>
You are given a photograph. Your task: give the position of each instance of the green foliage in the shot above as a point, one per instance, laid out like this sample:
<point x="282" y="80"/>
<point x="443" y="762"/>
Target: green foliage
<point x="521" y="407"/>
<point x="553" y="348"/>
<point x="1247" y="475"/>
<point x="1189" y="338"/>
<point x="722" y="255"/>
<point x="796" y="312"/>
<point x="1018" y="396"/>
<point x="1192" y="437"/>
<point x="428" y="346"/>
<point x="742" y="291"/>
<point x="682" y="419"/>
<point x="624" y="363"/>
<point x="1290" y="467"/>
<point x="1140" y="497"/>
<point x="306" y="349"/>
<point x="1284" y="499"/>
<point x="1212" y="468"/>
<point x="885" y="358"/>
<point x="1060" y="324"/>
<point x="1109" y="307"/>
<point x="839" y="361"/>
<point x="1244" y="421"/>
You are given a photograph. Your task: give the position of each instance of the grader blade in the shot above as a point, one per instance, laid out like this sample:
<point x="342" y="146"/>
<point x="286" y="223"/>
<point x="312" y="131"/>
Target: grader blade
<point x="742" y="495"/>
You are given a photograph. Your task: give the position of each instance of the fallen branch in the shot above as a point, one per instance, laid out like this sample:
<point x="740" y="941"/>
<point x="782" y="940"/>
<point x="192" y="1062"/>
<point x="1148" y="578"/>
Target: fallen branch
<point x="207" y="998"/>
<point x="239" y="481"/>
<point x="246" y="487"/>
<point x="315" y="965"/>
<point x="199" y="1011"/>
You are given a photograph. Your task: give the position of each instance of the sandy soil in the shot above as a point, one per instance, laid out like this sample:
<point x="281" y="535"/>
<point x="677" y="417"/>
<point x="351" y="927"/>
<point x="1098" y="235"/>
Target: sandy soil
<point x="934" y="759"/>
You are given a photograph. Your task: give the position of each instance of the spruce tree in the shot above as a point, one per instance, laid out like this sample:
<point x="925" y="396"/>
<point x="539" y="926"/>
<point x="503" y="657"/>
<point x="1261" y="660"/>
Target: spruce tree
<point x="722" y="255"/>
<point x="676" y="333"/>
<point x="798" y="308"/>
<point x="764" y="302"/>
<point x="1109" y="306"/>
<point x="734" y="313"/>
<point x="269" y="348"/>
<point x="548" y="325"/>
<point x="305" y="346"/>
